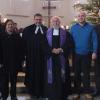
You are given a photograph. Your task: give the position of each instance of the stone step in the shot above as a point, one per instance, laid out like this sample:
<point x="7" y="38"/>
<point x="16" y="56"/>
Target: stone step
<point x="21" y="77"/>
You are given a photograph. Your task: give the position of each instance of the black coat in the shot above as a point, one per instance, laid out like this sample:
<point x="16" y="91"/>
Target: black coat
<point x="35" y="50"/>
<point x="97" y="29"/>
<point x="11" y="52"/>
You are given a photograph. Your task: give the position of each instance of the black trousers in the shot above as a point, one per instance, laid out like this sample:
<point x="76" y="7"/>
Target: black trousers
<point x="82" y="73"/>
<point x="97" y="75"/>
<point x="9" y="77"/>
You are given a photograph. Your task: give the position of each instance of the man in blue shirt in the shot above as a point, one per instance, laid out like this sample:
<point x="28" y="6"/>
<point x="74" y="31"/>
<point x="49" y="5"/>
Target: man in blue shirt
<point x="85" y="40"/>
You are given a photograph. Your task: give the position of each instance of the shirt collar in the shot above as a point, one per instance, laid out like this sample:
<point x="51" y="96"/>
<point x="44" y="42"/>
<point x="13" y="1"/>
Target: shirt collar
<point x="83" y="25"/>
<point x="56" y="32"/>
<point x="37" y="28"/>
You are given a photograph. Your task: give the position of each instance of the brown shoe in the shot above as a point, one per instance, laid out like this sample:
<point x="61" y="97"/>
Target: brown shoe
<point x="76" y="97"/>
<point x="88" y="97"/>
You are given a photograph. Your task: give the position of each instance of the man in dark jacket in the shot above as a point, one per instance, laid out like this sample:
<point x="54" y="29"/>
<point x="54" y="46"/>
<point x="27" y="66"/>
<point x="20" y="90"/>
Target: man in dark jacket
<point x="1" y="31"/>
<point x="1" y="25"/>
<point x="97" y="73"/>
<point x="35" y="45"/>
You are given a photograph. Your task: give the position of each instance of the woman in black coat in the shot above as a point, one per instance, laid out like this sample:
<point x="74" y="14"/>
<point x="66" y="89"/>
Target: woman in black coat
<point x="11" y="48"/>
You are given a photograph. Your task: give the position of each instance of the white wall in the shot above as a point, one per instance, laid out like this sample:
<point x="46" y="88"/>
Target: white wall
<point x="64" y="8"/>
<point x="18" y="10"/>
<point x="22" y="11"/>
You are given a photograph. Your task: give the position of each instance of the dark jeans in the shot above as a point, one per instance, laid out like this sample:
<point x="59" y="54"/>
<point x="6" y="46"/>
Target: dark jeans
<point x="82" y="73"/>
<point x="9" y="77"/>
<point x="97" y="75"/>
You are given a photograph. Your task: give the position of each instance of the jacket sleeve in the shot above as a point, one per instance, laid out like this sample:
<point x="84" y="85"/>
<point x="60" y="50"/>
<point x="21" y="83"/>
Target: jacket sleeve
<point x="94" y="41"/>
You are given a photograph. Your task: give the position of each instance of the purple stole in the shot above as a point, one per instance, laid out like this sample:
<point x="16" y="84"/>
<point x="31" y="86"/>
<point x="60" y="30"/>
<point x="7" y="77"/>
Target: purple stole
<point x="62" y="59"/>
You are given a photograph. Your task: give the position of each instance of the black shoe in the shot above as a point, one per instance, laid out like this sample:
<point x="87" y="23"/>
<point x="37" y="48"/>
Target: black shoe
<point x="76" y="97"/>
<point x="34" y="97"/>
<point x="96" y="94"/>
<point x="14" y="98"/>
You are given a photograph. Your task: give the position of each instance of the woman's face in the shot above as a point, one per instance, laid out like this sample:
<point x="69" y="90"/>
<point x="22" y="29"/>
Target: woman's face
<point x="10" y="26"/>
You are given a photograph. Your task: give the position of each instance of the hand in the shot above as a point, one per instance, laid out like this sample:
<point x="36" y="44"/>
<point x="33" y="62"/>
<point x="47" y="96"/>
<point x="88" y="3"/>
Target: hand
<point x="56" y="51"/>
<point x="94" y="56"/>
<point x="1" y="65"/>
<point x="53" y="50"/>
<point x="24" y="64"/>
<point x="61" y="50"/>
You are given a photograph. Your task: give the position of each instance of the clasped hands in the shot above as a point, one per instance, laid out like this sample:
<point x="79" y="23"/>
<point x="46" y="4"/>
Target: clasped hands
<point x="57" y="50"/>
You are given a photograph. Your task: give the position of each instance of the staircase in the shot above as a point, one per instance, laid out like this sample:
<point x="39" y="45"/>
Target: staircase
<point x="22" y="91"/>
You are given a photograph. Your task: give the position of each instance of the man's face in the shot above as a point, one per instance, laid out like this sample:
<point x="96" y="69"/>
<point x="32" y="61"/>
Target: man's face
<point x="56" y="23"/>
<point x="38" y="20"/>
<point x="81" y="17"/>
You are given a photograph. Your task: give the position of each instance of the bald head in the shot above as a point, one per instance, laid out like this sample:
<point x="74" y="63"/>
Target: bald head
<point x="82" y="13"/>
<point x="81" y="16"/>
<point x="55" y="21"/>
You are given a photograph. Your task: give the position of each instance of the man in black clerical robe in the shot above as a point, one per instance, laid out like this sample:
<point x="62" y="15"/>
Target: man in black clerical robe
<point x="35" y="45"/>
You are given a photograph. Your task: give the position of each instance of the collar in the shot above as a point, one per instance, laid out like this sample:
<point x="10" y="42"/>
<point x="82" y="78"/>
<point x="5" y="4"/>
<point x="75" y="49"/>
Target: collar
<point x="83" y="24"/>
<point x="37" y="28"/>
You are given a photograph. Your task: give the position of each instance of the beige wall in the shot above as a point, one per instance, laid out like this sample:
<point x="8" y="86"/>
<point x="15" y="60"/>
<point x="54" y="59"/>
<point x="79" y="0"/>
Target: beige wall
<point x="18" y="10"/>
<point x="63" y="8"/>
<point x="22" y="11"/>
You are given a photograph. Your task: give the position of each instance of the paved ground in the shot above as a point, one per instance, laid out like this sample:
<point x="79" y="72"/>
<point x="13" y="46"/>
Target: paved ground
<point x="83" y="98"/>
<point x="70" y="98"/>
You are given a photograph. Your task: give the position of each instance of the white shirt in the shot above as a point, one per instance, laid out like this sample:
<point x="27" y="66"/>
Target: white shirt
<point x="56" y="32"/>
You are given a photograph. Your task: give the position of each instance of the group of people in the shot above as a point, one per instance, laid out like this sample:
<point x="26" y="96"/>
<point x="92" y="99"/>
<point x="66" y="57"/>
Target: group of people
<point x="47" y="52"/>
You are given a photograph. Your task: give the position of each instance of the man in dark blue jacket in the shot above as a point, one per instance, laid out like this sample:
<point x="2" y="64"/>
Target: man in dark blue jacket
<point x="97" y="73"/>
<point x="85" y="39"/>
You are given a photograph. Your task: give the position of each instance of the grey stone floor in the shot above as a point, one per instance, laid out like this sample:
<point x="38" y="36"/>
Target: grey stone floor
<point x="83" y="98"/>
<point x="23" y="97"/>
